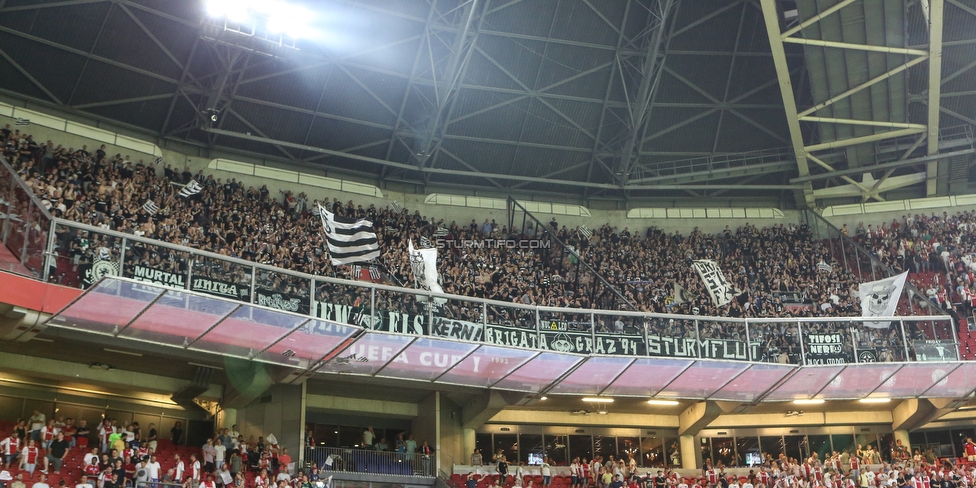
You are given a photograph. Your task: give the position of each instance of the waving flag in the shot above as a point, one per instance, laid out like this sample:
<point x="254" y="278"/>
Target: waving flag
<point x="150" y="207"/>
<point x="350" y="240"/>
<point x="190" y="189"/>
<point x="423" y="263"/>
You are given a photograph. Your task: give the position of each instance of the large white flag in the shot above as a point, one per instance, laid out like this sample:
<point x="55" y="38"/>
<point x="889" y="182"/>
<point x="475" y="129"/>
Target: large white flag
<point x="718" y="287"/>
<point x="681" y="296"/>
<point x="350" y="240"/>
<point x="423" y="262"/>
<point x="880" y="298"/>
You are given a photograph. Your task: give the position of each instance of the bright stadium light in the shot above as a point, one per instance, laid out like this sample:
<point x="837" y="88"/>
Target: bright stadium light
<point x="276" y="16"/>
<point x="811" y="401"/>
<point x="598" y="399"/>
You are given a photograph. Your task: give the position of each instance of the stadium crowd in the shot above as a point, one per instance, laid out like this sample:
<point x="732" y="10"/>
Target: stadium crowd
<point x="783" y="270"/>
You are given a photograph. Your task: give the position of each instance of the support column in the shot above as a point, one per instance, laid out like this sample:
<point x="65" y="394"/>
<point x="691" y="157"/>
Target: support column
<point x="689" y="452"/>
<point x="228" y="418"/>
<point x="469" y="445"/>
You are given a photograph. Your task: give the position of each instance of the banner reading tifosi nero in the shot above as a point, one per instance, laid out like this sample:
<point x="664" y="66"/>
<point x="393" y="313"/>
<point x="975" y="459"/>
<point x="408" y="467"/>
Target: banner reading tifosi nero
<point x="827" y="349"/>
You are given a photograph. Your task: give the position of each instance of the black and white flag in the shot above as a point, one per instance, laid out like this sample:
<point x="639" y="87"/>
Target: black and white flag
<point x="880" y="298"/>
<point x="585" y="232"/>
<point x="396" y="207"/>
<point x="824" y="267"/>
<point x="350" y="240"/>
<point x="22" y="122"/>
<point x="150" y="207"/>
<point x="681" y="295"/>
<point x="719" y="288"/>
<point x="190" y="189"/>
<point x="441" y="232"/>
<point x="159" y="159"/>
<point x="423" y="263"/>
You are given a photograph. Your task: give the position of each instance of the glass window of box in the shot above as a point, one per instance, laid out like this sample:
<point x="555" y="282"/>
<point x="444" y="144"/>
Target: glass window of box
<point x="556" y="449"/>
<point x="887" y="442"/>
<point x="772" y="446"/>
<point x="508" y="445"/>
<point x="530" y="449"/>
<point x="959" y="437"/>
<point x="652" y="452"/>
<point x="723" y="451"/>
<point x="673" y="452"/>
<point x="819" y="445"/>
<point x="795" y="445"/>
<point x="629" y="446"/>
<point x="605" y="446"/>
<point x="706" y="452"/>
<point x="326" y="435"/>
<point x="483" y="443"/>
<point x="747" y="452"/>
<point x="581" y="446"/>
<point x="350" y="436"/>
<point x="941" y="442"/>
<point x="842" y="442"/>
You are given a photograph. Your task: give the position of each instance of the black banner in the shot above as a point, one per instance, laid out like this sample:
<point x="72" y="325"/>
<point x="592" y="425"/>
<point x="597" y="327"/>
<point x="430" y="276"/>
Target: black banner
<point x="384" y="321"/>
<point x="826" y="349"/>
<point x="562" y="341"/>
<point x="687" y="347"/>
<point x="457" y="329"/>
<point x="281" y="301"/>
<point x="158" y="277"/>
<point x="219" y="288"/>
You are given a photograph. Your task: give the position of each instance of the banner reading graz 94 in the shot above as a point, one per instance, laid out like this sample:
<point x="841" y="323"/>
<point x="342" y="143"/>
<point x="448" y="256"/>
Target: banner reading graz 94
<point x="563" y="341"/>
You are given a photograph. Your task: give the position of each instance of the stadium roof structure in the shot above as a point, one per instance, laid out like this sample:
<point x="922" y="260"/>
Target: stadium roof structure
<point x="811" y="100"/>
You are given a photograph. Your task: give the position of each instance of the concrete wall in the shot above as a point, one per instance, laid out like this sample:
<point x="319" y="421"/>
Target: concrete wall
<point x="279" y="411"/>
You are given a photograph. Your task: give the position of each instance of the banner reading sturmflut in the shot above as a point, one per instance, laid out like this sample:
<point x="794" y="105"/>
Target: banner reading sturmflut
<point x="718" y="287"/>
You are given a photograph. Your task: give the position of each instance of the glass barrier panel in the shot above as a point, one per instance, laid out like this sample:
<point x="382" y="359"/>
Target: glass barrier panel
<point x="404" y="312"/>
<point x="66" y="256"/>
<point x="879" y="341"/>
<point x="671" y="337"/>
<point x="459" y="319"/>
<point x="38" y="228"/>
<point x="726" y="341"/>
<point x="516" y="327"/>
<point x="932" y="340"/>
<point x="828" y="343"/>
<point x="343" y="304"/>
<point x="221" y="278"/>
<point x="619" y="335"/>
<point x="282" y="291"/>
<point x="778" y="342"/>
<point x="18" y="213"/>
<point x="152" y="263"/>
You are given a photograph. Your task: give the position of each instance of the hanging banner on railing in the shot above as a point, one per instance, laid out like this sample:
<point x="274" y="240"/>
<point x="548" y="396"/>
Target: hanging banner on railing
<point x="159" y="277"/>
<point x="564" y="341"/>
<point x="281" y="301"/>
<point x="826" y="349"/>
<point x="935" y="350"/>
<point x="219" y="288"/>
<point x="687" y="347"/>
<point x="457" y="329"/>
<point x="101" y="265"/>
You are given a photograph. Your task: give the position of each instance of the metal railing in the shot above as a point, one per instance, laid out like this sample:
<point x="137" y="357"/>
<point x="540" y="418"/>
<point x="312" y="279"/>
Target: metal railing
<point x="77" y="255"/>
<point x="349" y="460"/>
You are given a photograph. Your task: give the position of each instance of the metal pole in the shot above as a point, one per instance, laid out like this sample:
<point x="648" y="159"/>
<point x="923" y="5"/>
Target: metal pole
<point x="538" y="327"/>
<point x="125" y="243"/>
<point x="697" y="339"/>
<point x="803" y="352"/>
<point x="254" y="282"/>
<point x="955" y="337"/>
<point x="646" y="342"/>
<point x="372" y="307"/>
<point x="904" y="339"/>
<point x="484" y="322"/>
<point x="593" y="329"/>
<point x="748" y="344"/>
<point x="27" y="226"/>
<point x="430" y="314"/>
<point x="311" y="301"/>
<point x="50" y="260"/>
<point x="851" y="330"/>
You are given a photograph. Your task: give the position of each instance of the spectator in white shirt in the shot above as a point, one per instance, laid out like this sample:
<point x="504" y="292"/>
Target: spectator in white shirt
<point x="42" y="482"/>
<point x="220" y="452"/>
<point x="83" y="482"/>
<point x="153" y="468"/>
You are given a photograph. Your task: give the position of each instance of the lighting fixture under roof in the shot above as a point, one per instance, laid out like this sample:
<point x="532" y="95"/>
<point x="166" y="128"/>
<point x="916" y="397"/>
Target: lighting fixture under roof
<point x="875" y="400"/>
<point x="598" y="399"/>
<point x="663" y="403"/>
<point x="809" y="401"/>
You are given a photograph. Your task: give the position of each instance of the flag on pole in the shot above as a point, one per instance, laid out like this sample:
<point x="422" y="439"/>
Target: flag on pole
<point x="824" y="266"/>
<point x="190" y="189"/>
<point x="880" y="298"/>
<point x="150" y="207"/>
<point x="350" y="240"/>
<point x="423" y="263"/>
<point x="22" y="122"/>
<point x="681" y="295"/>
<point x="585" y="232"/>
<point x="396" y="207"/>
<point x="719" y="288"/>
